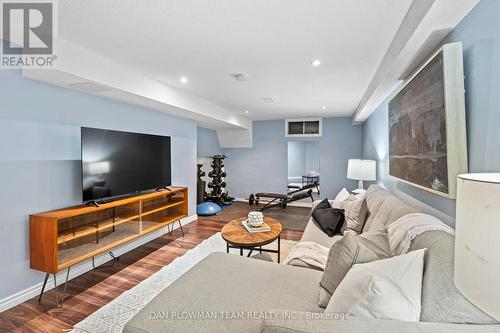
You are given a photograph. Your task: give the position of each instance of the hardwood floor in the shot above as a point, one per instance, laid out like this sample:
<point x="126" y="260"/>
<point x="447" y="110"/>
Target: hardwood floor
<point x="92" y="290"/>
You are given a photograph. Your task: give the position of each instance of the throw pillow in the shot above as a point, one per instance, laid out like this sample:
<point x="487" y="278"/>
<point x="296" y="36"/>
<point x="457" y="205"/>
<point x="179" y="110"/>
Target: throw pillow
<point x="344" y="254"/>
<point x="323" y="204"/>
<point x="385" y="289"/>
<point x="383" y="299"/>
<point x="342" y="195"/>
<point x="356" y="212"/>
<point x="328" y="219"/>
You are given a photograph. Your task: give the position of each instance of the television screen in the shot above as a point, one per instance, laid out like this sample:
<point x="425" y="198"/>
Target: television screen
<point x="118" y="163"/>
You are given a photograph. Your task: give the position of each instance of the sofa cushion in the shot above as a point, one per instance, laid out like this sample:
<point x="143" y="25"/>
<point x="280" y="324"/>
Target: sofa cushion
<point x="384" y="208"/>
<point x="374" y="198"/>
<point x="317" y="202"/>
<point x="314" y="234"/>
<point x="441" y="300"/>
<point x="344" y="254"/>
<point x="386" y="289"/>
<point x="355" y="211"/>
<point x="328" y="219"/>
<point x="303" y="322"/>
<point x="342" y="195"/>
<point x="229" y="283"/>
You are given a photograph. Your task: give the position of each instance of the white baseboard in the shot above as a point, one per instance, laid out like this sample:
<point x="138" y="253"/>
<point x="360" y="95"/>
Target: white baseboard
<point x="28" y="293"/>
<point x="292" y="204"/>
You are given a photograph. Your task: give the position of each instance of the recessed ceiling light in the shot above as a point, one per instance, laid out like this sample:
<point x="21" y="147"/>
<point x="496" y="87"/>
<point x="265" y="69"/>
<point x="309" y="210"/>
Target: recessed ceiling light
<point x="246" y="111"/>
<point x="184" y="80"/>
<point x="268" y="99"/>
<point x="238" y="76"/>
<point x="323" y="107"/>
<point x="316" y="63"/>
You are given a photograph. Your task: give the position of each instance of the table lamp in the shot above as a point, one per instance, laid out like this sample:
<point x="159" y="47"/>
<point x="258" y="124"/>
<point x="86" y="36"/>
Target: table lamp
<point x="361" y="170"/>
<point x="477" y="241"/>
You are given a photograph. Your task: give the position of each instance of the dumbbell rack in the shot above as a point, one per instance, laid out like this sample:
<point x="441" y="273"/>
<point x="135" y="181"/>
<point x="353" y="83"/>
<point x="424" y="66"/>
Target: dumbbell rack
<point x="217" y="184"/>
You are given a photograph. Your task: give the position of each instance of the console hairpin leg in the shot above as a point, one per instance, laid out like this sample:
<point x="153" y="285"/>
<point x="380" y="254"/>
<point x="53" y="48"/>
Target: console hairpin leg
<point x="43" y="287"/>
<point x="182" y="230"/>
<point x="170" y="228"/>
<point x="60" y="303"/>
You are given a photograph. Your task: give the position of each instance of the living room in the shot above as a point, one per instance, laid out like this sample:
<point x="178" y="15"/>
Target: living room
<point x="264" y="166"/>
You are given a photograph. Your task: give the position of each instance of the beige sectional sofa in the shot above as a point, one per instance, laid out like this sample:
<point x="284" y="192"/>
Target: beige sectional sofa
<point x="228" y="293"/>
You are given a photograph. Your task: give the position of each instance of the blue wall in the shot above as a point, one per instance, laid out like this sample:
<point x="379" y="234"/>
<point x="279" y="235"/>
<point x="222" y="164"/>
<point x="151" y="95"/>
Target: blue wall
<point x="296" y="158"/>
<point x="312" y="156"/>
<point x="40" y="152"/>
<point x="207" y="143"/>
<point x="264" y="167"/>
<point x="303" y="156"/>
<point x="480" y="34"/>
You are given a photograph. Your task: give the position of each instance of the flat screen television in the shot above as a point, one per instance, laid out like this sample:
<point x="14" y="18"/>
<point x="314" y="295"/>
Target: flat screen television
<point x="117" y="164"/>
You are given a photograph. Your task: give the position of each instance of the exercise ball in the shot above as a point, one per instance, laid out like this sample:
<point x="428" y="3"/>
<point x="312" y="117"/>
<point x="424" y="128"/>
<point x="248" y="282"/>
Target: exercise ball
<point x="208" y="208"/>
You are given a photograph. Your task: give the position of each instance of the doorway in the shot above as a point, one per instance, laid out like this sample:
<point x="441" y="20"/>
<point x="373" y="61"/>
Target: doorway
<point x="303" y="167"/>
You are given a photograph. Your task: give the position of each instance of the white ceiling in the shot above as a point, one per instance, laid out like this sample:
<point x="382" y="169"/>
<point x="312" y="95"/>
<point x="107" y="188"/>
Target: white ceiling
<point x="271" y="41"/>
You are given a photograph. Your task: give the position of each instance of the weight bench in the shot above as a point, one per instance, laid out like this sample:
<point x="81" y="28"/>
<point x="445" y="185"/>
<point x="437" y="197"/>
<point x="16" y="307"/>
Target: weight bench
<point x="280" y="199"/>
<point x="296" y="188"/>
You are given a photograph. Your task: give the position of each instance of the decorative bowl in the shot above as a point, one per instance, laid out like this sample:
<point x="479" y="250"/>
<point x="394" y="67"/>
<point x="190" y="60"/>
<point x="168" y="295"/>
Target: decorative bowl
<point x="255" y="219"/>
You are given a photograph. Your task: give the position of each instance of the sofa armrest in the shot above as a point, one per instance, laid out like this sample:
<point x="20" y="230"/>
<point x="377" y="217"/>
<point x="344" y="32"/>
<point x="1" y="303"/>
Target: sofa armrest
<point x="309" y="322"/>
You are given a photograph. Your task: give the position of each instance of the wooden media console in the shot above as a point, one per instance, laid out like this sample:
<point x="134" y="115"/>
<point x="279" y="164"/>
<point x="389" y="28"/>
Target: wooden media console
<point x="63" y="238"/>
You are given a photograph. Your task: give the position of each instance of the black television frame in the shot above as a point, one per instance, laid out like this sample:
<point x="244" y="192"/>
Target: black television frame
<point x="97" y="202"/>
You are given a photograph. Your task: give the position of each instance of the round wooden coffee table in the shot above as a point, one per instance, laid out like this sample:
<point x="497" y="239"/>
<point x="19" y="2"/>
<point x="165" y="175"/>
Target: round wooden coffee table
<point x="237" y="237"/>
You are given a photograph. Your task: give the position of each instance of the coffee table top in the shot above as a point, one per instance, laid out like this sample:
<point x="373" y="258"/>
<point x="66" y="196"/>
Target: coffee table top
<point x="235" y="234"/>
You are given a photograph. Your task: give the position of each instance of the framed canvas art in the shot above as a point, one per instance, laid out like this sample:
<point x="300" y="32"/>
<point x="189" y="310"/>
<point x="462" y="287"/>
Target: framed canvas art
<point x="427" y="129"/>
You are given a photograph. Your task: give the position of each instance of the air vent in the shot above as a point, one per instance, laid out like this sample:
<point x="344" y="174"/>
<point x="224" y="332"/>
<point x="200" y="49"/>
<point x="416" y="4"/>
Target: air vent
<point x="90" y="86"/>
<point x="303" y="127"/>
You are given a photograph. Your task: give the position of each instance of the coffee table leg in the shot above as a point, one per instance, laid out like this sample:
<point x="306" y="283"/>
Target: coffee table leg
<point x="260" y="249"/>
<point x="227" y="247"/>
<point x="241" y="251"/>
<point x="279" y="246"/>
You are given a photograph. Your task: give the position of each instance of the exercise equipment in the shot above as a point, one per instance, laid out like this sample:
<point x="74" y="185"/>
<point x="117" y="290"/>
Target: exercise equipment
<point x="294" y="187"/>
<point x="281" y="199"/>
<point x="201" y="184"/>
<point x="217" y="184"/>
<point x="208" y="208"/>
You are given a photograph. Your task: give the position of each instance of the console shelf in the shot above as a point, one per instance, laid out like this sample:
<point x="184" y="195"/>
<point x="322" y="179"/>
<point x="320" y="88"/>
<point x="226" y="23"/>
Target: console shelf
<point x="62" y="238"/>
<point x="173" y="203"/>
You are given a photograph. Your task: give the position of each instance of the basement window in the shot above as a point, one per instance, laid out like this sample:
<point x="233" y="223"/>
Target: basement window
<point x="303" y="127"/>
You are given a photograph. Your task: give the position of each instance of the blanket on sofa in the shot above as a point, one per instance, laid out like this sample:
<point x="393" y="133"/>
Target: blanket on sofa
<point x="310" y="253"/>
<point x="404" y="230"/>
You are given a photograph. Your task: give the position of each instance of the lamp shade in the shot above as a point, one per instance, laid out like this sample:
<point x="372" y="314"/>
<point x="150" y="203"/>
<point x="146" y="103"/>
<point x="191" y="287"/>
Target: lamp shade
<point x="362" y="169"/>
<point x="477" y="241"/>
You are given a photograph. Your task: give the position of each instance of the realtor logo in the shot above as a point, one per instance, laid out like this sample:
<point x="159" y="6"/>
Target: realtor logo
<point x="27" y="34"/>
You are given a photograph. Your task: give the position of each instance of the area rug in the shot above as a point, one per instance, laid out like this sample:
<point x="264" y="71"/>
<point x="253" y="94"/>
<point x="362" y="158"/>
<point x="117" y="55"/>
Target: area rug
<point x="113" y="316"/>
<point x="291" y="218"/>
